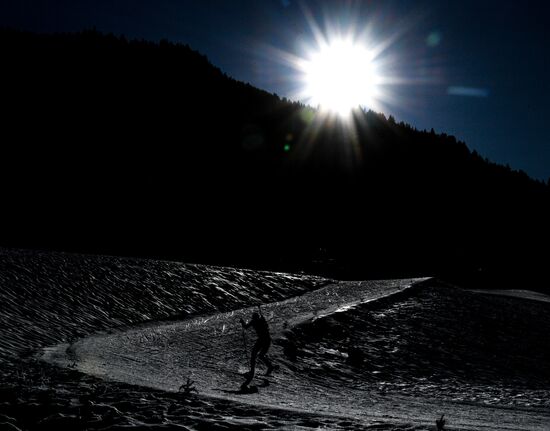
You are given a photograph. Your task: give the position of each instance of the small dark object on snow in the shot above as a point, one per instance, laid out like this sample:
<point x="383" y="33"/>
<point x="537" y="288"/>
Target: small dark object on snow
<point x="355" y="356"/>
<point x="188" y="387"/>
<point x="245" y="389"/>
<point x="290" y="350"/>
<point x="265" y="383"/>
<point x="440" y="423"/>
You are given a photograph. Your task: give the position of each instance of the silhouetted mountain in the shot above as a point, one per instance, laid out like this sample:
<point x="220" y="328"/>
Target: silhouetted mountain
<point x="133" y="147"/>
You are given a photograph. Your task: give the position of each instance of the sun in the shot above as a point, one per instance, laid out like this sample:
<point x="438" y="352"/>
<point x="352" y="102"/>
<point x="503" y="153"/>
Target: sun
<point x="345" y="66"/>
<point x="339" y="77"/>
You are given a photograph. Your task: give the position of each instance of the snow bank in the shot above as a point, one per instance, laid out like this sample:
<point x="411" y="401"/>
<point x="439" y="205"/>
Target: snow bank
<point x="48" y="298"/>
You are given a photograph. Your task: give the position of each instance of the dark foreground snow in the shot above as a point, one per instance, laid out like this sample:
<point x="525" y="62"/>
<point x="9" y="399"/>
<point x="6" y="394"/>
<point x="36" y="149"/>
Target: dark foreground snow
<point x="389" y="355"/>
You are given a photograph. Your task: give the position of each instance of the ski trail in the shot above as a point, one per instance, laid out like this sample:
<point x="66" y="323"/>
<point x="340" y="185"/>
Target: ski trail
<point x="209" y="349"/>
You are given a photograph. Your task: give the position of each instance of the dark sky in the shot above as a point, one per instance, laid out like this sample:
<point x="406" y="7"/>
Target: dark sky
<point x="476" y="69"/>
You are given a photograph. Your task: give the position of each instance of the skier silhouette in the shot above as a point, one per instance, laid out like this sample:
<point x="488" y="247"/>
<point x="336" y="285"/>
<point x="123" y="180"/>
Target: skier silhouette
<point x="259" y="351"/>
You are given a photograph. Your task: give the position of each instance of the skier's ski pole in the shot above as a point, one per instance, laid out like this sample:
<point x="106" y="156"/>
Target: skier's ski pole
<point x="244" y="342"/>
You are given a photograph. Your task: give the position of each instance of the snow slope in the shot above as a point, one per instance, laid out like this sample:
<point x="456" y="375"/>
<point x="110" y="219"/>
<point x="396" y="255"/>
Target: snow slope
<point x="210" y="348"/>
<point x="517" y="293"/>
<point x="353" y="355"/>
<point x="49" y="298"/>
<point x="397" y="380"/>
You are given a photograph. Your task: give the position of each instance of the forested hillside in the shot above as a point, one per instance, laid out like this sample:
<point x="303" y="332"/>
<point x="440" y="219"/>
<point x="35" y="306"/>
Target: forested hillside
<point x="141" y="148"/>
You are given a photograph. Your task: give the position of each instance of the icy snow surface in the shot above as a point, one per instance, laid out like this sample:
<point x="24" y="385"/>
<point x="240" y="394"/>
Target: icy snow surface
<point x="352" y="355"/>
<point x="396" y="384"/>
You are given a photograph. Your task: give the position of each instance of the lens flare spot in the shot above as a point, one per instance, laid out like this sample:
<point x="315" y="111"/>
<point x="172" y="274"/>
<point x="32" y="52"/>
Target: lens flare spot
<point x="307" y="115"/>
<point x="433" y="39"/>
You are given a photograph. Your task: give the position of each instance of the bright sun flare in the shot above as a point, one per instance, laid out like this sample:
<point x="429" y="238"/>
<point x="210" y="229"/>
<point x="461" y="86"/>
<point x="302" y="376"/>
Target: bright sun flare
<point x="340" y="77"/>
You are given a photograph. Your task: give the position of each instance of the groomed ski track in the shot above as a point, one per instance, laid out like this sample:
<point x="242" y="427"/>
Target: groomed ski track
<point x="210" y="350"/>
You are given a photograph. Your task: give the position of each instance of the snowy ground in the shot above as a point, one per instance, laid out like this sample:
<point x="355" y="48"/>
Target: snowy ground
<point x="210" y="351"/>
<point x="517" y="293"/>
<point x="393" y="355"/>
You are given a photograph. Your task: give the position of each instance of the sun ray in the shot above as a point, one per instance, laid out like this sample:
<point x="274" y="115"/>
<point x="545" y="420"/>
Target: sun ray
<point x="349" y="66"/>
<point x="318" y="35"/>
